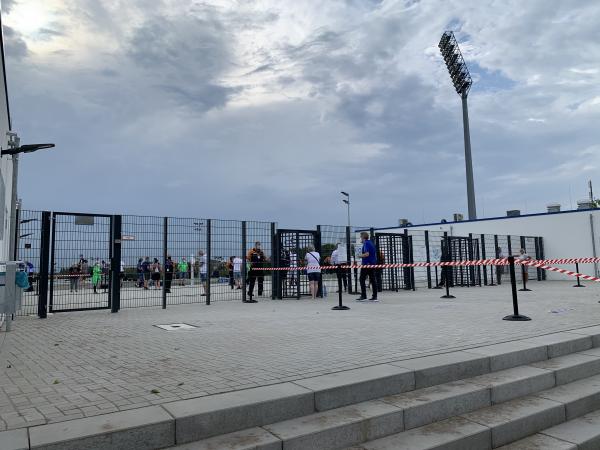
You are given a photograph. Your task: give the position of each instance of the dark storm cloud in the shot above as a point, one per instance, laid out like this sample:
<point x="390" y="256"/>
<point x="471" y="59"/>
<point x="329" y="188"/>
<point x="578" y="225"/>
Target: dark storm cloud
<point x="14" y="45"/>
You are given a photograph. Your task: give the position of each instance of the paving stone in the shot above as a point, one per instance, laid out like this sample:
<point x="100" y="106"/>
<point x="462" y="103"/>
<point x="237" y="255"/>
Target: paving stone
<point x="518" y="418"/>
<point x="142" y="429"/>
<point x="569" y="368"/>
<point x="511" y="354"/>
<point x="14" y="440"/>
<point x="213" y="415"/>
<point x="584" y="431"/>
<point x="354" y="386"/>
<point x="539" y="442"/>
<point x="594" y="332"/>
<point x="451" y="434"/>
<point x="435" y="403"/>
<point x="445" y="367"/>
<point x="339" y="427"/>
<point x="579" y="397"/>
<point x="516" y="382"/>
<point x="562" y="343"/>
<point x="251" y="439"/>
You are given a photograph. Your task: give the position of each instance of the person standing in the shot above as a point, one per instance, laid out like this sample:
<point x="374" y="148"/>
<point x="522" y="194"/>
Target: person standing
<point x="156" y="273"/>
<point x="237" y="271"/>
<point x="169" y="269"/>
<point x="446" y="270"/>
<point x="369" y="257"/>
<point x="30" y="275"/>
<point x="339" y="257"/>
<point x="500" y="268"/>
<point x="96" y="276"/>
<point x="84" y="271"/>
<point x="257" y="258"/>
<point x="229" y="266"/>
<point x="313" y="270"/>
<point x="203" y="270"/>
<point x="146" y="269"/>
<point x="182" y="268"/>
<point x="74" y="277"/>
<point x="523" y="256"/>
<point x="140" y="272"/>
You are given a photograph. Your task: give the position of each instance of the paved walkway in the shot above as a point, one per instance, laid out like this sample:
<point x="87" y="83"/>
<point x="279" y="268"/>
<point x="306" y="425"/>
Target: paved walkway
<point x="73" y="365"/>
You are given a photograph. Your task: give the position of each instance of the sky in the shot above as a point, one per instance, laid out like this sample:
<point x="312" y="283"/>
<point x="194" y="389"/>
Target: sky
<point x="267" y="109"/>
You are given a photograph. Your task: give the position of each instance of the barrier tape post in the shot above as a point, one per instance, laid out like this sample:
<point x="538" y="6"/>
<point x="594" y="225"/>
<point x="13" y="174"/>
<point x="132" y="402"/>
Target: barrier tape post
<point x="578" y="282"/>
<point x="340" y="306"/>
<point x="523" y="277"/>
<point x="513" y="282"/>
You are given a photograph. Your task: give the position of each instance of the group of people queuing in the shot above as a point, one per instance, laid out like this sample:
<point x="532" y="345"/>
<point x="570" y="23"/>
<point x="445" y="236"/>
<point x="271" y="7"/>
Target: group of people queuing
<point x="149" y="273"/>
<point x="81" y="270"/>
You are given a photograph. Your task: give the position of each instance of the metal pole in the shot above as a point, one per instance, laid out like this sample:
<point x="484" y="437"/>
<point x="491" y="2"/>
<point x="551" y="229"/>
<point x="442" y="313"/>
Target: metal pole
<point x="244" y="261"/>
<point x="14" y="217"/>
<point x="208" y="256"/>
<point x="340" y="306"/>
<point x="116" y="264"/>
<point x="44" y="256"/>
<point x="165" y="244"/>
<point x="578" y="282"/>
<point x="468" y="161"/>
<point x="513" y="282"/>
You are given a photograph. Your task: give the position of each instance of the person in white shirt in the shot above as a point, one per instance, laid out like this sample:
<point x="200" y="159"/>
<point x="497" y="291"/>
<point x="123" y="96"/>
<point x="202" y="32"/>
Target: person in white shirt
<point x="202" y="261"/>
<point x="523" y="256"/>
<point x="339" y="257"/>
<point x="237" y="271"/>
<point x="313" y="259"/>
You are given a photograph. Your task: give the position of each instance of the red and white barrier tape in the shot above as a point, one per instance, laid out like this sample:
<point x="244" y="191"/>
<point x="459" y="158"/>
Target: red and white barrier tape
<point x="540" y="265"/>
<point x="479" y="262"/>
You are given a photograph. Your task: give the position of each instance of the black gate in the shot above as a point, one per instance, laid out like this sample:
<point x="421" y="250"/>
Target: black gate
<point x="290" y="251"/>
<point x="394" y="249"/>
<point x="80" y="262"/>
<point x="464" y="249"/>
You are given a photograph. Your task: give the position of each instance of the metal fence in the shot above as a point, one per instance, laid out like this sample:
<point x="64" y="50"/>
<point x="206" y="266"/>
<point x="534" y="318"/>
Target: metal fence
<point x="92" y="261"/>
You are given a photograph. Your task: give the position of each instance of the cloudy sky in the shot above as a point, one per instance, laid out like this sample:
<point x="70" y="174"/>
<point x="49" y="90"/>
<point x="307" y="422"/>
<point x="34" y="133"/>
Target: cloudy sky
<point x="266" y="109"/>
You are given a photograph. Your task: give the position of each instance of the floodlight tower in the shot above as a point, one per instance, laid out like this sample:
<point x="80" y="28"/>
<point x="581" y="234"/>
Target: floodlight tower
<point x="461" y="78"/>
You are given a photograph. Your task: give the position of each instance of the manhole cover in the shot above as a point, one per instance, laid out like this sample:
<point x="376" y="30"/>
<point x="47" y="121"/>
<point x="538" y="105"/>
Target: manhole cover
<point x="176" y="327"/>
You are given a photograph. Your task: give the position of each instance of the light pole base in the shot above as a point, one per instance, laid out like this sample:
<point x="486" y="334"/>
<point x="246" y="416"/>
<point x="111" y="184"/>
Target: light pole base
<point x="517" y="318"/>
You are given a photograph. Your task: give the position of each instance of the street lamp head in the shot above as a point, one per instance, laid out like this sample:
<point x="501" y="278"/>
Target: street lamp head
<point x="346" y="201"/>
<point x="345" y="194"/>
<point x="29" y="148"/>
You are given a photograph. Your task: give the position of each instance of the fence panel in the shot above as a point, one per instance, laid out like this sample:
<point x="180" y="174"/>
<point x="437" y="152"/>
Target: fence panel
<point x="28" y="250"/>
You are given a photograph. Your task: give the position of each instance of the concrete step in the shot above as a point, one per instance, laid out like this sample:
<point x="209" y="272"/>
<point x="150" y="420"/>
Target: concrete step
<point x="355" y="405"/>
<point x="582" y="433"/>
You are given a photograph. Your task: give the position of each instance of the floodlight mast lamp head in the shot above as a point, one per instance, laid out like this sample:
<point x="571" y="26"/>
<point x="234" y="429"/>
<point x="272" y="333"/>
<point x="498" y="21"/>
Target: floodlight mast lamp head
<point x="457" y="68"/>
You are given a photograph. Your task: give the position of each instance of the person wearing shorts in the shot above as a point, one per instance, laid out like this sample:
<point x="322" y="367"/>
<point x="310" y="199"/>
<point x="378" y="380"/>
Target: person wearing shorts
<point x="203" y="270"/>
<point x="313" y="261"/>
<point x="237" y="271"/>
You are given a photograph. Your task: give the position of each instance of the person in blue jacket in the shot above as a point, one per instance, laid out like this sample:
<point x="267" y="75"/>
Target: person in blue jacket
<point x="369" y="256"/>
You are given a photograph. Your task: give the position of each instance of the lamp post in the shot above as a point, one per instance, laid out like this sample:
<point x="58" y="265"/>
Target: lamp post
<point x="461" y="78"/>
<point x="347" y="202"/>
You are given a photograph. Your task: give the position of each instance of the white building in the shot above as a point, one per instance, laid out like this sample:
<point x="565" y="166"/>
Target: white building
<point x="7" y="207"/>
<point x="566" y="234"/>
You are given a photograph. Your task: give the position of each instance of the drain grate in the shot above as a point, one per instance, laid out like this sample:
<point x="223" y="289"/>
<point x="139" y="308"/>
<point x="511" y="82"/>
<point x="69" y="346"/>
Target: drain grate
<point x="176" y="327"/>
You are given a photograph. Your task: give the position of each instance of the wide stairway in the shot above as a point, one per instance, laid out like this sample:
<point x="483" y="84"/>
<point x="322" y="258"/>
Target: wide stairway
<point x="540" y="393"/>
<point x="537" y="393"/>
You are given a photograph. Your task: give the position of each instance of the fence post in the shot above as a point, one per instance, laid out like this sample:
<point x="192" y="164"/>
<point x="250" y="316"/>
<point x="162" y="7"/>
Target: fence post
<point x="244" y="262"/>
<point x="348" y="272"/>
<point x="513" y="282"/>
<point x="115" y="288"/>
<point x="164" y="265"/>
<point x="44" y="257"/>
<point x="320" y="292"/>
<point x="537" y="256"/>
<point x="542" y="255"/>
<point x="208" y="256"/>
<point x="52" y="243"/>
<point x="485" y="283"/>
<point x="471" y="255"/>
<point x="275" y="278"/>
<point x="497" y="255"/>
<point x="412" y="260"/>
<point x="428" y="259"/>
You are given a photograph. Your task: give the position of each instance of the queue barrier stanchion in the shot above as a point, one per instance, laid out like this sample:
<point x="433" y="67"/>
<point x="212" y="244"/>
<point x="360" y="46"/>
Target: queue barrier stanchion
<point x="513" y="282"/>
<point x="446" y="278"/>
<point x="578" y="282"/>
<point x="340" y="306"/>
<point x="523" y="277"/>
